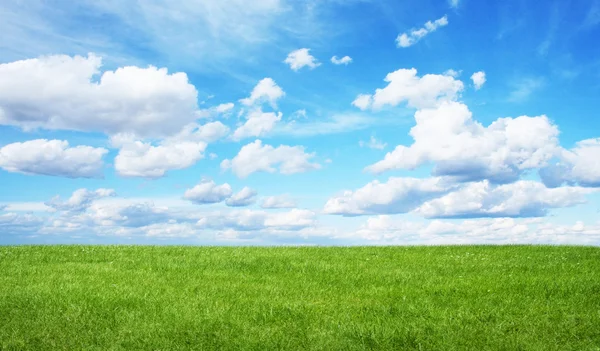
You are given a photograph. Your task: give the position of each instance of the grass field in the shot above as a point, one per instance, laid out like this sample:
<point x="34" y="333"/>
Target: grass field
<point x="218" y="298"/>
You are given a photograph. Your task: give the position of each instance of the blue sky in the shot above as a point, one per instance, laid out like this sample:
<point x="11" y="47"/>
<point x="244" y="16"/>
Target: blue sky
<point x="283" y="122"/>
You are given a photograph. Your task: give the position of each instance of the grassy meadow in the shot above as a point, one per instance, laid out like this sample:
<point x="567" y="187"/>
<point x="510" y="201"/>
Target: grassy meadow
<point x="299" y="298"/>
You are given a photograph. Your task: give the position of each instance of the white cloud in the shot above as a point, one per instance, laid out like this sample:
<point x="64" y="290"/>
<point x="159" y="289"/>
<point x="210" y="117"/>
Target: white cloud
<point x="341" y="61"/>
<point x="301" y="58"/>
<point x="208" y="133"/>
<point x="63" y="92"/>
<point x="256" y="157"/>
<point x="411" y="37"/>
<point x="453" y="3"/>
<point x="520" y="199"/>
<point x="386" y="229"/>
<point x="452" y="73"/>
<point x="80" y="201"/>
<point x="140" y="159"/>
<point x="397" y="195"/>
<point x="478" y="79"/>
<point x="224" y="108"/>
<point x="53" y="158"/>
<point x="24" y="224"/>
<point x="281" y="201"/>
<point x="373" y="143"/>
<point x="208" y="192"/>
<point x="580" y="165"/>
<point x="363" y="101"/>
<point x="419" y="92"/>
<point x="265" y="91"/>
<point x="461" y="147"/>
<point x="250" y="220"/>
<point x="258" y="123"/>
<point x="244" y="197"/>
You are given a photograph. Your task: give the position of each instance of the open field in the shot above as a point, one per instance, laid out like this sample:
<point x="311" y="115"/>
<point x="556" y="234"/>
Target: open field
<point x="228" y="298"/>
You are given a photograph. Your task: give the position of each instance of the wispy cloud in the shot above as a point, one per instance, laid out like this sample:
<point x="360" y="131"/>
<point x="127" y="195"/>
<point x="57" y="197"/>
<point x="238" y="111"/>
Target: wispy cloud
<point x="411" y="37"/>
<point x="524" y="88"/>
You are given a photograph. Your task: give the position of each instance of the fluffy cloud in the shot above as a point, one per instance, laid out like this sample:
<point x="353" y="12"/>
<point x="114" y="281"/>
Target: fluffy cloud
<point x="341" y="61"/>
<point x="411" y="37"/>
<point x="208" y="192"/>
<point x="463" y="148"/>
<point x="301" y="58"/>
<point x="140" y="159"/>
<point x="397" y="195"/>
<point x="258" y="123"/>
<point x="63" y="92"/>
<point x="281" y="201"/>
<point x="520" y="199"/>
<point x="580" y="165"/>
<point x="418" y="92"/>
<point x="245" y="197"/>
<point x="265" y="91"/>
<point x="256" y="157"/>
<point x="478" y="79"/>
<point x="373" y="143"/>
<point x="80" y="201"/>
<point x="53" y="158"/>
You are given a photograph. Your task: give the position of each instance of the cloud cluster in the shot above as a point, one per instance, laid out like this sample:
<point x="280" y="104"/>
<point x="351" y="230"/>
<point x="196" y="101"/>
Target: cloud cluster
<point x="461" y="147"/>
<point x="80" y="201"/>
<point x="64" y="92"/>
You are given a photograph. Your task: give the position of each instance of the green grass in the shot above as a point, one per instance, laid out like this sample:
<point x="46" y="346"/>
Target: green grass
<point x="299" y="298"/>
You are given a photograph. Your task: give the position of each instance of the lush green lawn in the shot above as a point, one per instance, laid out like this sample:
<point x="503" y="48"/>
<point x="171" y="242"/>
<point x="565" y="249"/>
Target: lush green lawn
<point x="180" y="298"/>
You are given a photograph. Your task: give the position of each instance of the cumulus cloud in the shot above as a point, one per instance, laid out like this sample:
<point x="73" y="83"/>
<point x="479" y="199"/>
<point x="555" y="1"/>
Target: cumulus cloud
<point x="208" y="192"/>
<point x="462" y="148"/>
<point x="419" y="92"/>
<point x="80" y="201"/>
<point x="258" y="123"/>
<point x="341" y="61"/>
<point x="478" y="79"/>
<point x="281" y="201"/>
<point x="63" y="92"/>
<point x="245" y="197"/>
<point x="579" y="165"/>
<point x="520" y="199"/>
<point x="265" y="91"/>
<point x="373" y="143"/>
<point x="397" y="195"/>
<point x="411" y="37"/>
<point x="141" y="159"/>
<point x="301" y="58"/>
<point x="52" y="158"/>
<point x="256" y="157"/>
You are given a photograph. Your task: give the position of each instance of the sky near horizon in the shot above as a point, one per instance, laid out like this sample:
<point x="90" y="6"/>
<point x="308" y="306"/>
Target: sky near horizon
<point x="279" y="122"/>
